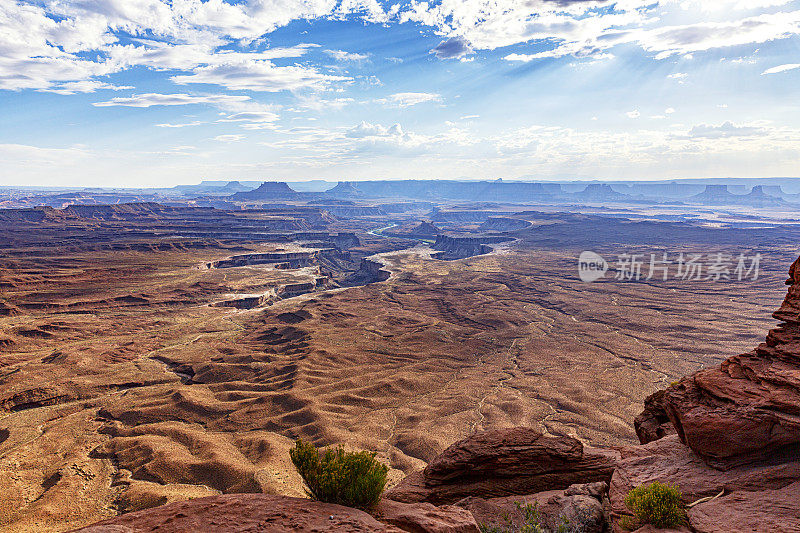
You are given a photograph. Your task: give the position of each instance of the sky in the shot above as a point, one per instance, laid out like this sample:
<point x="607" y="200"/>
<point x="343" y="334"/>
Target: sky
<point x="152" y="93"/>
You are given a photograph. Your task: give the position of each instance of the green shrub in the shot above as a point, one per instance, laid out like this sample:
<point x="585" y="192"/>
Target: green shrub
<point x="531" y="521"/>
<point x="658" y="504"/>
<point x="335" y="476"/>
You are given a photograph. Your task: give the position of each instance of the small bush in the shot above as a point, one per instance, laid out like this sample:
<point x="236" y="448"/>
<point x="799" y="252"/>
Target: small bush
<point x="532" y="522"/>
<point x="657" y="504"/>
<point x="335" y="476"/>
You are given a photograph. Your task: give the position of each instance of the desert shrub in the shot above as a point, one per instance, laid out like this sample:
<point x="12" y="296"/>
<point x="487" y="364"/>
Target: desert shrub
<point x="531" y="521"/>
<point x="658" y="504"/>
<point x="354" y="479"/>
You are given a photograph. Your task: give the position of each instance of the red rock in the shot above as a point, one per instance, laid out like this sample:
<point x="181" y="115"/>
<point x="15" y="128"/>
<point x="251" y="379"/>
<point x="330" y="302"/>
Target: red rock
<point x="669" y="461"/>
<point x="426" y="518"/>
<point x="768" y="511"/>
<point x="749" y="407"/>
<point x="244" y="513"/>
<point x="505" y="462"/>
<point x="653" y="423"/>
<point x="653" y="529"/>
<point x="579" y="507"/>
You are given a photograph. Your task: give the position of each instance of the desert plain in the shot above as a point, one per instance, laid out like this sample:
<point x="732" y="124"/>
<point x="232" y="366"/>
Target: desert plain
<point x="150" y="354"/>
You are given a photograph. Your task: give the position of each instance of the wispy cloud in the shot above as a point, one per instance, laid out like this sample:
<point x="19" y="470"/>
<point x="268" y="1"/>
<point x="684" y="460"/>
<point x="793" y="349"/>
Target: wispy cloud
<point x="408" y="99"/>
<point x="157" y="99"/>
<point x="229" y="138"/>
<point x="781" y="68"/>
<point x="342" y="56"/>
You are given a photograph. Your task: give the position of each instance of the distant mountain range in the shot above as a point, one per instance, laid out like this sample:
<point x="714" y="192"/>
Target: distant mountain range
<point x="235" y="194"/>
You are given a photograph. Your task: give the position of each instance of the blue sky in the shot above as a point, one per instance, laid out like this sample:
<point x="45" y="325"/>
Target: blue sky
<point x="154" y="93"/>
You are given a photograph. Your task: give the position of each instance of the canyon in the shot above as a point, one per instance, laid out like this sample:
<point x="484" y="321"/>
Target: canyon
<point x="152" y="354"/>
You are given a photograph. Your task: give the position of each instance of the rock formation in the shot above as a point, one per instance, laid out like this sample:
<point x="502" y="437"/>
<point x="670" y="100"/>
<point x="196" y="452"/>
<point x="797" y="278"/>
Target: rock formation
<point x="461" y="247"/>
<point x="600" y="192"/>
<point x="244" y="512"/>
<point x="738" y="436"/>
<point x="269" y="190"/>
<point x="653" y="423"/>
<point x="505" y="462"/>
<point x="426" y="518"/>
<point x="747" y="409"/>
<point x="425" y="228"/>
<point x="344" y="189"/>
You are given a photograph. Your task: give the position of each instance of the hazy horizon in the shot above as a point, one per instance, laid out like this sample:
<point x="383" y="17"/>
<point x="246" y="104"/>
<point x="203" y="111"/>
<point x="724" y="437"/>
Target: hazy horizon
<point x="146" y="93"/>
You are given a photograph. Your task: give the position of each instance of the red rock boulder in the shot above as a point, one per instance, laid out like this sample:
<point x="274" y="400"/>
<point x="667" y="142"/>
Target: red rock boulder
<point x="502" y="463"/>
<point x="244" y="513"/>
<point x="425" y="517"/>
<point x="653" y="423"/>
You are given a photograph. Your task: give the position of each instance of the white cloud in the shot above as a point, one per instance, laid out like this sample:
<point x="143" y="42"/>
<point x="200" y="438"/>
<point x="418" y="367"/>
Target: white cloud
<point x="678" y="76"/>
<point x="704" y="36"/>
<point x="252" y="116"/>
<point x="154" y="99"/>
<point x="342" y="56"/>
<point x="41" y="46"/>
<point x="633" y="114"/>
<point x="408" y="99"/>
<point x="781" y="68"/>
<point x="85" y="86"/>
<point x="317" y="103"/>
<point x="255" y="75"/>
<point x="452" y="48"/>
<point x="727" y="130"/>
<point x="365" y="129"/>
<point x="229" y="138"/>
<point x="185" y="125"/>
<point x="577" y="28"/>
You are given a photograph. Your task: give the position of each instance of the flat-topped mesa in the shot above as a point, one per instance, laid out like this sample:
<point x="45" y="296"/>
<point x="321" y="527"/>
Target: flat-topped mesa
<point x="269" y="190"/>
<point x="344" y="189"/>
<point x="747" y="409"/>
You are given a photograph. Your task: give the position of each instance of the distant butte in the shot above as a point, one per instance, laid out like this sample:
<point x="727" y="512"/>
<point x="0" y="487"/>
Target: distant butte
<point x="269" y="190"/>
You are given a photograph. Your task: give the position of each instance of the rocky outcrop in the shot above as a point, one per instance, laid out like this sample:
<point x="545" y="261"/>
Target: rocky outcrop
<point x="580" y="506"/>
<point x="423" y="230"/>
<point x="747" y="409"/>
<point x="667" y="460"/>
<point x="600" y="192"/>
<point x="425" y="517"/>
<point x="244" y="512"/>
<point x="653" y="423"/>
<point x="720" y="195"/>
<point x="295" y="259"/>
<point x="461" y="247"/>
<point x="269" y="190"/>
<point x="505" y="462"/>
<point x="369" y="271"/>
<point x="426" y="228"/>
<point x="344" y="189"/>
<point x="736" y="455"/>
<point x="767" y="511"/>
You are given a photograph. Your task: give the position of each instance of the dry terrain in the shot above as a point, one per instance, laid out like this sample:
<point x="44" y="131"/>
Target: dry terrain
<point x="124" y="384"/>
